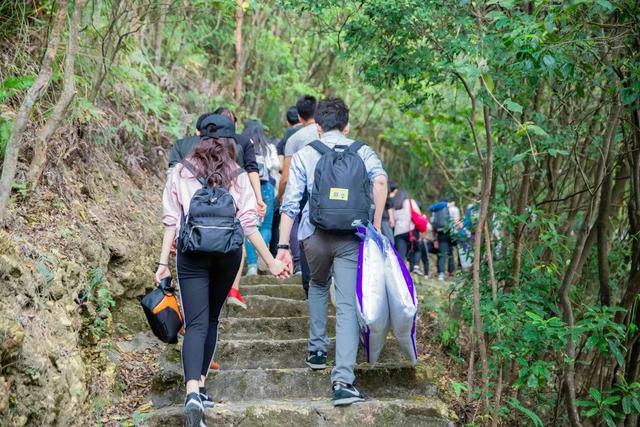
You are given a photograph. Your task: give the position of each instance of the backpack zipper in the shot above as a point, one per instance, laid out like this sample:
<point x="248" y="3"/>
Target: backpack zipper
<point x="215" y="227"/>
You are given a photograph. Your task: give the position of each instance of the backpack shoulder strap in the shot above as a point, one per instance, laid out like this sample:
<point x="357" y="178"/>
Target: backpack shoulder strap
<point x="187" y="164"/>
<point x="320" y="147"/>
<point x="355" y="146"/>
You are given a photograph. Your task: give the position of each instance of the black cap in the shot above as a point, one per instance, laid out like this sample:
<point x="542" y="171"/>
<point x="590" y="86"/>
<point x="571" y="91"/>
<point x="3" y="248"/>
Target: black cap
<point x="292" y="115"/>
<point x="217" y="126"/>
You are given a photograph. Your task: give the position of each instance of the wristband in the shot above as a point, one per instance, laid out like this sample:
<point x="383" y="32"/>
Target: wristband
<point x="164" y="265"/>
<point x="285" y="247"/>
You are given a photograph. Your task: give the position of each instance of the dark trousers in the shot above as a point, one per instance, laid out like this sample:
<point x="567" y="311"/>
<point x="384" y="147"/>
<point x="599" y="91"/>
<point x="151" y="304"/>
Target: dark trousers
<point x="205" y="281"/>
<point x="275" y="231"/>
<point x="420" y="254"/>
<point x="445" y="256"/>
<point x="304" y="270"/>
<point x="406" y="246"/>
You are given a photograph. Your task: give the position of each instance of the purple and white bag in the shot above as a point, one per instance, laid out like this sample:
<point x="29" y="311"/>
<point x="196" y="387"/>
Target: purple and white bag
<point x="403" y="303"/>
<point x="371" y="294"/>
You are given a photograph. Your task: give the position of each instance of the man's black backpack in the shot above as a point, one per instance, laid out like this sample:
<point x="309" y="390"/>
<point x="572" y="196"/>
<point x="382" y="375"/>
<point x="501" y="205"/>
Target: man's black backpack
<point x="341" y="196"/>
<point x="211" y="225"/>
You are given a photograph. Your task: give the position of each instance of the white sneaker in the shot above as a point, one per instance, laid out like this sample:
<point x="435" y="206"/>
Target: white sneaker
<point x="252" y="270"/>
<point x="441" y="277"/>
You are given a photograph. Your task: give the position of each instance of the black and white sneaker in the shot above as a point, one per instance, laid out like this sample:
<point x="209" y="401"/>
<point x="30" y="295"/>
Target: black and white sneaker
<point x="345" y="394"/>
<point x="207" y="401"/>
<point x="193" y="410"/>
<point x="317" y="360"/>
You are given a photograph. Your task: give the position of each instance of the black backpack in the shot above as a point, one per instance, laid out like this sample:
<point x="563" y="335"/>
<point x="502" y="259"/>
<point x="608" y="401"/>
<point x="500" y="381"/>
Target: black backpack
<point x="211" y="225"/>
<point x="441" y="221"/>
<point x="341" y="197"/>
<point x="163" y="312"/>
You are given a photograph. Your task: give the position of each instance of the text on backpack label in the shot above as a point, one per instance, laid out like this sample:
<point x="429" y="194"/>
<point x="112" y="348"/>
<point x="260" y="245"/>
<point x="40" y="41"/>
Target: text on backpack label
<point x="339" y="194"/>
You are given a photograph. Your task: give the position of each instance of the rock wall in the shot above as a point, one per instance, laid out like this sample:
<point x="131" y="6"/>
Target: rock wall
<point x="77" y="251"/>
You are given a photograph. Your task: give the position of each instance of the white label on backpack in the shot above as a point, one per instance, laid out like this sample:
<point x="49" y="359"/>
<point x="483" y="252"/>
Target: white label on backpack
<point x="339" y="194"/>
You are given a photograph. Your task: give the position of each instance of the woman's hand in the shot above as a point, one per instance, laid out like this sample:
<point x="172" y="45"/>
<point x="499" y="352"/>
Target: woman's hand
<point x="262" y="208"/>
<point x="162" y="272"/>
<point x="279" y="269"/>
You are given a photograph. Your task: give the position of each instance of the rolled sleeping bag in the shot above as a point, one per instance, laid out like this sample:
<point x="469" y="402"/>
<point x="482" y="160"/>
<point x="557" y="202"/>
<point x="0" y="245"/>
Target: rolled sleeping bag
<point x="403" y="303"/>
<point x="371" y="294"/>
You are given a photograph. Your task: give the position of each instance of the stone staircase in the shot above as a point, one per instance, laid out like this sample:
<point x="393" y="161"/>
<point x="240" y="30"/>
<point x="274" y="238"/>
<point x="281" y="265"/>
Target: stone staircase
<point x="264" y="380"/>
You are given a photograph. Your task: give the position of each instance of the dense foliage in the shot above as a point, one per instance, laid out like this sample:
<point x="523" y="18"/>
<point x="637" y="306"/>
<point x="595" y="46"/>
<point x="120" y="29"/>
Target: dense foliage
<point x="530" y="108"/>
<point x="551" y="109"/>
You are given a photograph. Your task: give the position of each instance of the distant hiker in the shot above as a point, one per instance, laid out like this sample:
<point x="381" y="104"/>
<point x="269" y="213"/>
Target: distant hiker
<point x="269" y="168"/>
<point x="343" y="178"/>
<point x="308" y="132"/>
<point x="209" y="196"/>
<point x="443" y="226"/>
<point x="293" y="124"/>
<point x="388" y="216"/>
<point x="405" y="233"/>
<point x="246" y="148"/>
<point x="421" y="254"/>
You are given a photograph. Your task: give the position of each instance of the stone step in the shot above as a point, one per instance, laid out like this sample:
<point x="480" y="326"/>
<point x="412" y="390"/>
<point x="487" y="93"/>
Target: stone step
<point x="269" y="280"/>
<point x="381" y="381"/>
<point x="281" y="291"/>
<point x="268" y="327"/>
<point x="267" y="306"/>
<point x="272" y="354"/>
<point x="426" y="412"/>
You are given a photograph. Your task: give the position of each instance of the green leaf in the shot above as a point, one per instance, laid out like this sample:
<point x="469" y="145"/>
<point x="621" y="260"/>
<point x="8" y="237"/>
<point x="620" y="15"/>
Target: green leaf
<point x="534" y="316"/>
<point x="488" y="81"/>
<point x="611" y="400"/>
<point x="549" y="61"/>
<point x="595" y="394"/>
<point x="591" y="412"/>
<point x="617" y="354"/>
<point x="537" y="130"/>
<point x="628" y="96"/>
<point x="535" y="419"/>
<point x="513" y="106"/>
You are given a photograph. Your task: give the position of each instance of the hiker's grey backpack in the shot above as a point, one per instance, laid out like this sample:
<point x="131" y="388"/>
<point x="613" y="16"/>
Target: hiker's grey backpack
<point x="341" y="197"/>
<point x="211" y="225"/>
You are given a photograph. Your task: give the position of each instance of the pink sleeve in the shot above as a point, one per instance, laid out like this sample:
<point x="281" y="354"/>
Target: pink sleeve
<point x="171" y="206"/>
<point x="246" y="203"/>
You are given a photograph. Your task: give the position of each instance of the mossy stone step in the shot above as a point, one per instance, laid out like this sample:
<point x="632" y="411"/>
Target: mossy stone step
<point x="281" y="291"/>
<point x="267" y="306"/>
<point x="269" y="280"/>
<point x="272" y="354"/>
<point x="424" y="412"/>
<point x="380" y="381"/>
<point x="268" y="327"/>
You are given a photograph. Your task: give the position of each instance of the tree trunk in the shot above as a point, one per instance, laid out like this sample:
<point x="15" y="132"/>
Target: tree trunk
<point x="572" y="272"/>
<point x="239" y="54"/>
<point x="67" y="95"/>
<point x="482" y="217"/>
<point x="523" y="199"/>
<point x="33" y="94"/>
<point x="159" y="32"/>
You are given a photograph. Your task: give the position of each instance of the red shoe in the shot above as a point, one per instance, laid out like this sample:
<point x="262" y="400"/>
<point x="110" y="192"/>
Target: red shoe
<point x="214" y="365"/>
<point x="234" y="298"/>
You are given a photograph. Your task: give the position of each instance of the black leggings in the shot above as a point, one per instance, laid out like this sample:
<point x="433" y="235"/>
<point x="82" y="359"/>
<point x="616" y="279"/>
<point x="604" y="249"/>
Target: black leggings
<point x="205" y="281"/>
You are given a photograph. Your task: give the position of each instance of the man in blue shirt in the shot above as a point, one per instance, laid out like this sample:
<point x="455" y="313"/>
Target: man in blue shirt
<point x="327" y="252"/>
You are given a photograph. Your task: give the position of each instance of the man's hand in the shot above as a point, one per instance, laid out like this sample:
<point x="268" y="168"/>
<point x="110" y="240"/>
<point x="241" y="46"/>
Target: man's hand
<point x="392" y="223"/>
<point x="378" y="226"/>
<point x="284" y="255"/>
<point x="262" y="208"/>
